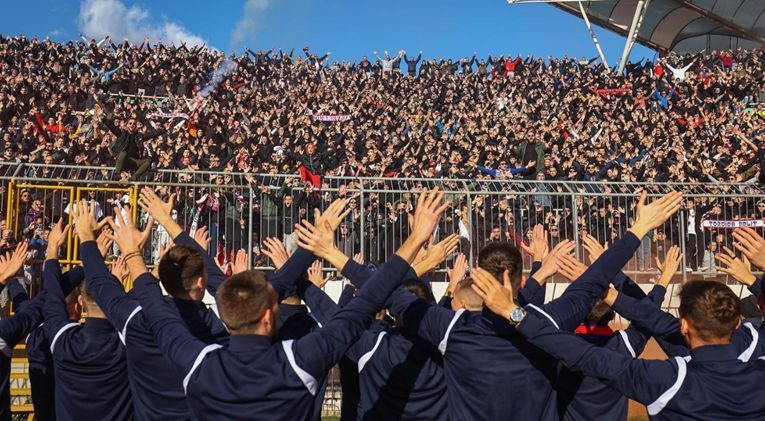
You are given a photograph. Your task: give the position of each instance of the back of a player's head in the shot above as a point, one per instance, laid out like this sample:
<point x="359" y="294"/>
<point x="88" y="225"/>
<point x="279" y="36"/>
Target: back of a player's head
<point x="465" y="297"/>
<point x="87" y="301"/>
<point x="243" y="300"/>
<point x="600" y="315"/>
<point x="497" y="257"/>
<point x="180" y="269"/>
<point x="73" y="307"/>
<point x="711" y="308"/>
<point x="419" y="289"/>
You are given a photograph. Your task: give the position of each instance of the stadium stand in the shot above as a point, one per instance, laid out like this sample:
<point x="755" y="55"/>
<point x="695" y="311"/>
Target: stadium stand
<point x="248" y="146"/>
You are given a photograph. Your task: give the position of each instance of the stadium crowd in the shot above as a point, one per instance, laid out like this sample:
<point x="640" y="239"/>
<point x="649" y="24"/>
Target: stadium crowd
<point x="491" y="349"/>
<point x="681" y="118"/>
<point x="152" y="106"/>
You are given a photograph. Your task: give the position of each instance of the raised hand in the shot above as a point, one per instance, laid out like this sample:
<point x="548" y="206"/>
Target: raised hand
<point x="550" y="262"/>
<point x="202" y="237"/>
<point x="335" y="214"/>
<point x="315" y="275"/>
<point x="739" y="269"/>
<point x="358" y="258"/>
<point x="437" y="254"/>
<point x="498" y="298"/>
<point x="85" y="222"/>
<point x="11" y="263"/>
<point x="751" y="244"/>
<point x="126" y="235"/>
<point x="430" y="206"/>
<point x="457" y="273"/>
<point x="669" y="266"/>
<point x="104" y="241"/>
<point x="160" y="210"/>
<point x="593" y="247"/>
<point x="56" y="239"/>
<point x="570" y="268"/>
<point x="241" y="262"/>
<point x="539" y="246"/>
<point x="653" y="215"/>
<point x="119" y="269"/>
<point x="275" y="250"/>
<point x="320" y="242"/>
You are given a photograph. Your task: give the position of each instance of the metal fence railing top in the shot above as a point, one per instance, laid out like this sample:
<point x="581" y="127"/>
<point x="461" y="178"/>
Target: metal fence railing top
<point x="240" y="210"/>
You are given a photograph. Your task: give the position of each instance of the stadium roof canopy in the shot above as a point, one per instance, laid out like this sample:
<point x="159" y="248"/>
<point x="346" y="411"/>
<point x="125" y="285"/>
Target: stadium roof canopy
<point x="678" y="25"/>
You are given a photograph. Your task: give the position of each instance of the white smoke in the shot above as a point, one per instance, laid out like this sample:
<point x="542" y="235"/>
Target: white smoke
<point x="248" y="26"/>
<point x="226" y="67"/>
<point x="99" y="18"/>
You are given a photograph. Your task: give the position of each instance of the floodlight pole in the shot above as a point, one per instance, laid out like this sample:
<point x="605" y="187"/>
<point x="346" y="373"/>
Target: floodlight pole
<point x="592" y="34"/>
<point x="637" y="21"/>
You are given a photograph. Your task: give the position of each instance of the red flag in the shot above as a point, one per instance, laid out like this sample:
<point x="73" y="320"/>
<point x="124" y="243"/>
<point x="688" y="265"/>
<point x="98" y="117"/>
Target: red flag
<point x="306" y="175"/>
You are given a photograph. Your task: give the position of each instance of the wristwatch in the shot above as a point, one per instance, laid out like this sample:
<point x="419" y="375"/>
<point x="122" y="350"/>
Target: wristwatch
<point x="517" y="315"/>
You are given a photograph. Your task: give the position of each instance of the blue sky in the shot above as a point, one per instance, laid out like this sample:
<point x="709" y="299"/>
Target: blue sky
<point x="350" y="29"/>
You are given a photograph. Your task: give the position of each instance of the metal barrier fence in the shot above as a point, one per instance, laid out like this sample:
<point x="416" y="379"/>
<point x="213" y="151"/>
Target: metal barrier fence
<point x="240" y="210"/>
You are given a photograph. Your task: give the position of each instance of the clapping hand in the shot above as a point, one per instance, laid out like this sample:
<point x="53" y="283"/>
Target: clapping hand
<point x="539" y="247"/>
<point x="740" y="269"/>
<point x="275" y="250"/>
<point x="11" y="263"/>
<point x="751" y="244"/>
<point x="315" y="275"/>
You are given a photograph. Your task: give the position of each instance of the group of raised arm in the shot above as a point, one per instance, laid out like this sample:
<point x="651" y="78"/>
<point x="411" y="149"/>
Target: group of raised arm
<point x="491" y="349"/>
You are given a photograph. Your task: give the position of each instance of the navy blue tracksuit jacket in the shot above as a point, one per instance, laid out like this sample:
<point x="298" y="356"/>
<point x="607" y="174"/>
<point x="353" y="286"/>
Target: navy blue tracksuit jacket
<point x="12" y="331"/>
<point x="157" y="388"/>
<point x="40" y="359"/>
<point x="255" y="377"/>
<point x="89" y="360"/>
<point x="492" y="372"/>
<point x="748" y="340"/>
<point x="583" y="398"/>
<point x="400" y="375"/>
<point x="710" y="384"/>
<point x="295" y="322"/>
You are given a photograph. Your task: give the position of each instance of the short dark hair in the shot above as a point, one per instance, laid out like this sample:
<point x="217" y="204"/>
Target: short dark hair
<point x="711" y="307"/>
<point x="179" y="269"/>
<point x="419" y="289"/>
<point x="496" y="257"/>
<point x="243" y="299"/>
<point x="600" y="315"/>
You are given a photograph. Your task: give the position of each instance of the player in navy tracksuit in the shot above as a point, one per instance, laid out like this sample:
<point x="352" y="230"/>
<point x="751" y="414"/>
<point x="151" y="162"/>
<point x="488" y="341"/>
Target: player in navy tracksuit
<point x="747" y="340"/>
<point x="295" y="322"/>
<point x="581" y="397"/>
<point x="400" y="375"/>
<point x="89" y="359"/>
<point x="157" y="388"/>
<point x="483" y="354"/>
<point x="349" y="371"/>
<point x="40" y="359"/>
<point x="254" y="376"/>
<point x="28" y="315"/>
<point x="711" y="383"/>
<point x="12" y="331"/>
